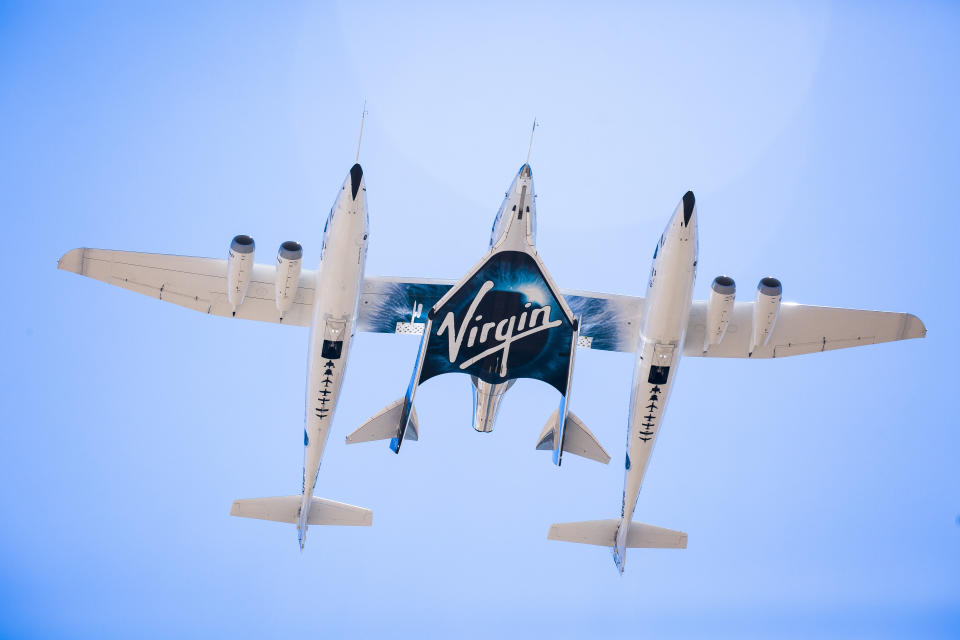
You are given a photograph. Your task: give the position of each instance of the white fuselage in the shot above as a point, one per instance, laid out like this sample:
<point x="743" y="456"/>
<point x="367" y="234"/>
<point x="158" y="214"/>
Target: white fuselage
<point x="336" y="295"/>
<point x="665" y="314"/>
<point x="514" y="227"/>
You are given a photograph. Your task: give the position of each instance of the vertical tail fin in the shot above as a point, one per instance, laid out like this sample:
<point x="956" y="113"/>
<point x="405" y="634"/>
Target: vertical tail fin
<point x="386" y="424"/>
<point x="577" y="438"/>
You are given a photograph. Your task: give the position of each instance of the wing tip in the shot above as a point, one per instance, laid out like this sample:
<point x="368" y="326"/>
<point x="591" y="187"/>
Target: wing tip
<point x="914" y="327"/>
<point x="72" y="260"/>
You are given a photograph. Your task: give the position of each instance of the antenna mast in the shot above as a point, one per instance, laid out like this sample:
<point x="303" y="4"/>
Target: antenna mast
<point x="363" y="117"/>
<point x="530" y="148"/>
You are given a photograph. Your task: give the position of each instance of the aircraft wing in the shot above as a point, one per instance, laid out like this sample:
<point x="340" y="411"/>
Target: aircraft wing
<point x="801" y="329"/>
<point x="608" y="322"/>
<point x="400" y="305"/>
<point x="612" y="322"/>
<point x="195" y="283"/>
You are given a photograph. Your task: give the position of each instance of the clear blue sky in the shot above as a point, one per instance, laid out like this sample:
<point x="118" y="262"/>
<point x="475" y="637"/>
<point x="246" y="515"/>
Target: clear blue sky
<point x="821" y="493"/>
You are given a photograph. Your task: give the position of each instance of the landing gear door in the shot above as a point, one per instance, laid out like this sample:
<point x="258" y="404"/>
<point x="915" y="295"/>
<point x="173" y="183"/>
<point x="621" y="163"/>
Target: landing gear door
<point x="660" y="367"/>
<point x="333" y="330"/>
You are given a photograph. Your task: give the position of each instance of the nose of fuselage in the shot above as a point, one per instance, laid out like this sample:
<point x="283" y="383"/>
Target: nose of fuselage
<point x="689" y="206"/>
<point x="683" y="222"/>
<point x="354" y="182"/>
<point x="681" y="232"/>
<point x="352" y="198"/>
<point x="523" y="178"/>
<point x="349" y="211"/>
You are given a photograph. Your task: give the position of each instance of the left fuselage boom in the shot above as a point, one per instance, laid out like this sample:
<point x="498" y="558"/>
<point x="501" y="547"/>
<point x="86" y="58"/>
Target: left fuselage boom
<point x="336" y="295"/>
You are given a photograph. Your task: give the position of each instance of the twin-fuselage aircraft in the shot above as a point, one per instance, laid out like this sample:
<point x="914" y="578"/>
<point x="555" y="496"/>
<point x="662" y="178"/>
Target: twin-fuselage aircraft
<point x="505" y="319"/>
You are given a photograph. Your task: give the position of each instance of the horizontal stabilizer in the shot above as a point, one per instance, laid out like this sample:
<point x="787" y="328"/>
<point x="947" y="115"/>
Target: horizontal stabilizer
<point x="386" y="425"/>
<point x="577" y="439"/>
<point x="603" y="533"/>
<point x="287" y="508"/>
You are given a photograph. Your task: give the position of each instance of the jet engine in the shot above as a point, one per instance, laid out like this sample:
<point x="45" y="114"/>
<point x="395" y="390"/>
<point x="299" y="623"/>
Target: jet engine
<point x="765" y="310"/>
<point x="239" y="269"/>
<point x="289" y="259"/>
<point x="719" y="310"/>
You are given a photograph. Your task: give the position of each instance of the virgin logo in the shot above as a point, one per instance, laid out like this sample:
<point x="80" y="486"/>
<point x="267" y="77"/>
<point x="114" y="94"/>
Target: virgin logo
<point x="501" y="333"/>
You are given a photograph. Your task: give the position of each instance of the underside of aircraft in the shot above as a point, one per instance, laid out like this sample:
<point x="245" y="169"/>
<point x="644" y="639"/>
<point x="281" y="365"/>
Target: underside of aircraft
<point x="504" y="319"/>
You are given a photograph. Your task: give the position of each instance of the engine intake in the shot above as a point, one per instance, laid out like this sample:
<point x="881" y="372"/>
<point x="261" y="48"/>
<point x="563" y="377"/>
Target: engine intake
<point x="289" y="259"/>
<point x="239" y="269"/>
<point x="719" y="310"/>
<point x="765" y="310"/>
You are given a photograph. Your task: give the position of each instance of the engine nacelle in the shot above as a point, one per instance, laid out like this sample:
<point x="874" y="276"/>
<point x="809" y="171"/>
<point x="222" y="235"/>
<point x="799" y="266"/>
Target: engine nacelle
<point x="765" y="310"/>
<point x="719" y="310"/>
<point x="289" y="259"/>
<point x="239" y="269"/>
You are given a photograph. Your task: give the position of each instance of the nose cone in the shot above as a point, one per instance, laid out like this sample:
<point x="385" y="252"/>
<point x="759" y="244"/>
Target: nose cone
<point x="682" y="228"/>
<point x="515" y="223"/>
<point x="684" y="219"/>
<point x="356" y="179"/>
<point x="524" y="178"/>
<point x="689" y="205"/>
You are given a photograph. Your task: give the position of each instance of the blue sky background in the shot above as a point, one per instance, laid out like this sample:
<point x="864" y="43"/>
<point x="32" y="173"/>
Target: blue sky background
<point x="821" y="493"/>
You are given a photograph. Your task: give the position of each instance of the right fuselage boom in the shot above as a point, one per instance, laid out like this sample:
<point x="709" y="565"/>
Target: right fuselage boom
<point x="662" y="329"/>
